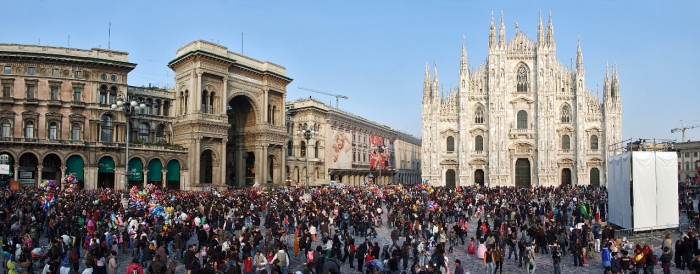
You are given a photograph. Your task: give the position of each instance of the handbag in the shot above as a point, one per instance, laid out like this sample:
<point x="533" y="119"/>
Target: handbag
<point x="24" y="264"/>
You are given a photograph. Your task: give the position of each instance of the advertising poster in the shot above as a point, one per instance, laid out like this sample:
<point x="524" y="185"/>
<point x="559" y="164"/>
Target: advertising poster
<point x="340" y="149"/>
<point x="380" y="153"/>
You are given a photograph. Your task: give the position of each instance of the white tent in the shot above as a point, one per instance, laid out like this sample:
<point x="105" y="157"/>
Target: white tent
<point x="643" y="190"/>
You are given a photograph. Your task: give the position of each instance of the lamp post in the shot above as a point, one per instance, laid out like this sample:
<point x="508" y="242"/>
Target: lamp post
<point x="307" y="133"/>
<point x="129" y="109"/>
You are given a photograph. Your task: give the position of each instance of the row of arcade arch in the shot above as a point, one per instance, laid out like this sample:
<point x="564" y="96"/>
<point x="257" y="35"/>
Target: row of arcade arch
<point x="28" y="170"/>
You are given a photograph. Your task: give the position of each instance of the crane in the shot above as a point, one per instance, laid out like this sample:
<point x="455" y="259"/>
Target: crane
<point x="683" y="128"/>
<point x="337" y="96"/>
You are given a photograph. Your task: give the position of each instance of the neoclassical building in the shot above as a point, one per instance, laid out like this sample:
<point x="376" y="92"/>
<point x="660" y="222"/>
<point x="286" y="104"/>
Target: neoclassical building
<point x="347" y="148"/>
<point x="56" y="119"/>
<point x="522" y="118"/>
<point x="229" y="115"/>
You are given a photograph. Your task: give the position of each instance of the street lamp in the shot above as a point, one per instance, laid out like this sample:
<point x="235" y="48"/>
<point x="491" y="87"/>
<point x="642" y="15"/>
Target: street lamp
<point x="129" y="109"/>
<point x="307" y="133"/>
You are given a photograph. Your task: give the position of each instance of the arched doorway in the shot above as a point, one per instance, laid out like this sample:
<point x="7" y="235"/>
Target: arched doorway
<point x="206" y="167"/>
<point x="566" y="177"/>
<point x="595" y="177"/>
<point x="135" y="172"/>
<point x="173" y="175"/>
<point x="450" y="178"/>
<point x="5" y="179"/>
<point x="155" y="173"/>
<point x="479" y="177"/>
<point x="28" y="169"/>
<point x="105" y="172"/>
<point x="52" y="168"/>
<point x="522" y="172"/>
<point x="76" y="165"/>
<point x="242" y="116"/>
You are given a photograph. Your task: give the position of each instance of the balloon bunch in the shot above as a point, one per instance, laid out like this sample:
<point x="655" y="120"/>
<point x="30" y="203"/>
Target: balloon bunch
<point x="425" y="188"/>
<point x="47" y="200"/>
<point x="47" y="185"/>
<point x="70" y="181"/>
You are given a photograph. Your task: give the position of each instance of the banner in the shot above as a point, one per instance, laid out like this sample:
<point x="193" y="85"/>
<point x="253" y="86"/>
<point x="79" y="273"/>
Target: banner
<point x="380" y="153"/>
<point x="341" y="149"/>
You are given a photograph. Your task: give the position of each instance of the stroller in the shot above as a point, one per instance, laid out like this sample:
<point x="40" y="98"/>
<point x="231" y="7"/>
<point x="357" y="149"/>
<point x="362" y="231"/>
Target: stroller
<point x="39" y="256"/>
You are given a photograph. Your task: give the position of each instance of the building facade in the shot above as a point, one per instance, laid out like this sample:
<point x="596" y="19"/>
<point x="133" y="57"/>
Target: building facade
<point x="229" y="111"/>
<point x="56" y="119"/>
<point x="688" y="161"/>
<point x="522" y="118"/>
<point x="346" y="148"/>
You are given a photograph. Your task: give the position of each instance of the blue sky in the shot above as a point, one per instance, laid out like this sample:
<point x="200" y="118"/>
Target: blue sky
<point x="375" y="51"/>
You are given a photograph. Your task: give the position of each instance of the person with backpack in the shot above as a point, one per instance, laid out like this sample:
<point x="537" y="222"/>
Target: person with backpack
<point x="134" y="267"/>
<point x="283" y="258"/>
<point x="556" y="257"/>
<point x="605" y="256"/>
<point x="638" y="260"/>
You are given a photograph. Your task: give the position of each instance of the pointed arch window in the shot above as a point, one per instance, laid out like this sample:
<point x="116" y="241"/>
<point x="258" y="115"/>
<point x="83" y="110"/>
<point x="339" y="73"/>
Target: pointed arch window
<point x="479" y="115"/>
<point x="479" y="143"/>
<point x="594" y="142"/>
<point x="450" y="144"/>
<point x="566" y="114"/>
<point x="522" y="119"/>
<point x="565" y="142"/>
<point x="522" y="79"/>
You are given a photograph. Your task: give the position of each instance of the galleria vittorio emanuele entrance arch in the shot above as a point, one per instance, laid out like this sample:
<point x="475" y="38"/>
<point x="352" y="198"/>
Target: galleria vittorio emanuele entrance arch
<point x="229" y="115"/>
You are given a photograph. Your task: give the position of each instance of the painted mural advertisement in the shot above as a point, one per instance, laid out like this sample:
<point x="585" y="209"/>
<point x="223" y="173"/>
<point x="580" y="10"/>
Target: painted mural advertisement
<point x="380" y="153"/>
<point x="341" y="149"/>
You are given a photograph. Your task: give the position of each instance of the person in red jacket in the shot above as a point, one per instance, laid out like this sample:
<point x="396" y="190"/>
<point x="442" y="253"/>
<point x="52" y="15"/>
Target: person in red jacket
<point x="248" y="265"/>
<point x="134" y="267"/>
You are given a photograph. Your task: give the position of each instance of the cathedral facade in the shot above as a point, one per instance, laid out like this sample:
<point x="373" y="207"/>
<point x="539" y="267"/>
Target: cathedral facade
<point x="522" y="118"/>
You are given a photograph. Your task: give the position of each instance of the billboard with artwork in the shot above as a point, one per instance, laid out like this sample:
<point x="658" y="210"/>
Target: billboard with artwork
<point x="380" y="153"/>
<point x="340" y="145"/>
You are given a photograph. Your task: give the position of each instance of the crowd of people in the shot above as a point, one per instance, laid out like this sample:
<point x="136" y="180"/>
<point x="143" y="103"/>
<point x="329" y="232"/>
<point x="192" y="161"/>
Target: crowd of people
<point x="256" y="230"/>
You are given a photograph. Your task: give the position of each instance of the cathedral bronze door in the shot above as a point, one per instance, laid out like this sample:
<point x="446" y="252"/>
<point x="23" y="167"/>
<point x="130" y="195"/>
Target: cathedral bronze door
<point x="450" y="178"/>
<point x="479" y="177"/>
<point x="522" y="172"/>
<point x="566" y="176"/>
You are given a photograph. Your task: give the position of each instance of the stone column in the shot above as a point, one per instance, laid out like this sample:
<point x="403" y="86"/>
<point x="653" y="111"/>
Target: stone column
<point x="145" y="177"/>
<point x="262" y="167"/>
<point x="222" y="162"/>
<point x="38" y="174"/>
<point x="164" y="180"/>
<point x="16" y="171"/>
<point x="63" y="173"/>
<point x="194" y="162"/>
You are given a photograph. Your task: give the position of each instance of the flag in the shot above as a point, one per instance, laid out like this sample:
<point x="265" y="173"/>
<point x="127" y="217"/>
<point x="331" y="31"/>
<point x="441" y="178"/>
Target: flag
<point x="584" y="212"/>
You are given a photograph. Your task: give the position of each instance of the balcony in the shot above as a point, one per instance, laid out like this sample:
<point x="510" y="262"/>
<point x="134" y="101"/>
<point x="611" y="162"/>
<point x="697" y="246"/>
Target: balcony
<point x="566" y="151"/>
<point x="7" y="100"/>
<point x="77" y="104"/>
<point x="479" y="153"/>
<point x="519" y="132"/>
<point x="31" y="101"/>
<point x="54" y="103"/>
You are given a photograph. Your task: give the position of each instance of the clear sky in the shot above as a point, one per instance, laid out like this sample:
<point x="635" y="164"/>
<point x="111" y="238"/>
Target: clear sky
<point x="375" y="51"/>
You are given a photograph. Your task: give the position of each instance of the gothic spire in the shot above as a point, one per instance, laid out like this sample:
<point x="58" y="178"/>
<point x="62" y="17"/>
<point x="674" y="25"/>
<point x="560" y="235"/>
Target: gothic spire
<point x="540" y="34"/>
<point x="436" y="82"/>
<point x="463" y="64"/>
<point x="606" y="83"/>
<point x="426" y="81"/>
<point x="550" y="31"/>
<point x="579" y="56"/>
<point x="492" y="33"/>
<point x="502" y="32"/>
<point x="615" y="88"/>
